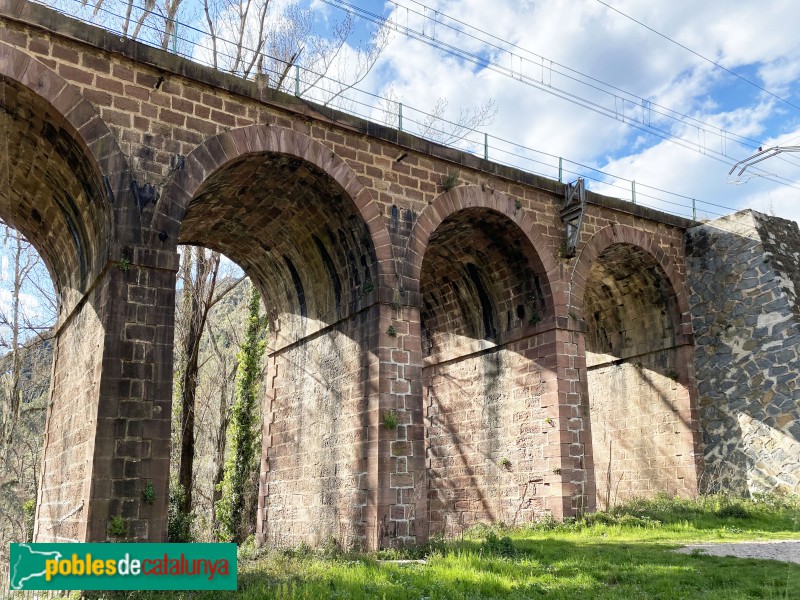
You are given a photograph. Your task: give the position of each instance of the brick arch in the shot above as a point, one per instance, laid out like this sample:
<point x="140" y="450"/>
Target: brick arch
<point x="229" y="146"/>
<point x="625" y="234"/>
<point x="471" y="196"/>
<point x="96" y="148"/>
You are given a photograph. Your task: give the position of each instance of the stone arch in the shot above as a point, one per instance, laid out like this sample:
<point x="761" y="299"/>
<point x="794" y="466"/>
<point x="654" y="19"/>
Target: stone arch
<point x="86" y="169"/>
<point x="470" y="196"/>
<point x="228" y="146"/>
<point x="487" y="343"/>
<point x="641" y="394"/>
<point x="625" y="234"/>
<point x="295" y="218"/>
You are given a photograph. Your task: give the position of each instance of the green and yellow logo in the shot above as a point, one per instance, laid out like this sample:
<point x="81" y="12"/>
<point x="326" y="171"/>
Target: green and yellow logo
<point x="123" y="567"/>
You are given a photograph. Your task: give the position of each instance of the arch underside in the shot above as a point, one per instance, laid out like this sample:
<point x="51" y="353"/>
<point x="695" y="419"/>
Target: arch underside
<point x="483" y="289"/>
<point x="638" y="398"/>
<point x="50" y="191"/>
<point x="299" y="237"/>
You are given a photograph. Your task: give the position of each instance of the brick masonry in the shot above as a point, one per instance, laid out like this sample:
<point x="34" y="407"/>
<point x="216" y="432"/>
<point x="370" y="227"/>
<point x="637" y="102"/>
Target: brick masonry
<point x="450" y="310"/>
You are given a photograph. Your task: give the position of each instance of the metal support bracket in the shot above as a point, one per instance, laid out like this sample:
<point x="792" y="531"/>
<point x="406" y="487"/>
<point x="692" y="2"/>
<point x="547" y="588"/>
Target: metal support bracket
<point x="571" y="214"/>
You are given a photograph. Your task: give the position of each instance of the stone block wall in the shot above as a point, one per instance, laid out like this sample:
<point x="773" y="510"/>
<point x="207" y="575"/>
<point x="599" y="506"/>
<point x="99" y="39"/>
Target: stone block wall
<point x="317" y="434"/>
<point x="372" y="273"/>
<point x="743" y="271"/>
<point x="641" y="430"/>
<point x="488" y="439"/>
<point x="62" y="504"/>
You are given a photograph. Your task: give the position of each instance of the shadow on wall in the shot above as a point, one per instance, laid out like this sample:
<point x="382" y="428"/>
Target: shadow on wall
<point x="484" y="292"/>
<point x="639" y="403"/>
<point x="300" y="238"/>
<point x="744" y="274"/>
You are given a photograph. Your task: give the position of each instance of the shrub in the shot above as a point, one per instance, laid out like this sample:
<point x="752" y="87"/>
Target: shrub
<point x="498" y="546"/>
<point x="179" y="524"/>
<point x="29" y="516"/>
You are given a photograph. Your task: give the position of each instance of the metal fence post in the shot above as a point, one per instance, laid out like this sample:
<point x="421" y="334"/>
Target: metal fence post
<point x="400" y="117"/>
<point x="633" y="191"/>
<point x="485" y="146"/>
<point x="297" y="80"/>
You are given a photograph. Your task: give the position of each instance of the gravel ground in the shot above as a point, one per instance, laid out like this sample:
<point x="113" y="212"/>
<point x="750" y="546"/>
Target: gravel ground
<point x="787" y="550"/>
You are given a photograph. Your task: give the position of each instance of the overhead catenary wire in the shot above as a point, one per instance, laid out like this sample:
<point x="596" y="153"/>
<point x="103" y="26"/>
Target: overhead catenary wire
<point x="518" y="151"/>
<point x="697" y="54"/>
<point x="682" y="119"/>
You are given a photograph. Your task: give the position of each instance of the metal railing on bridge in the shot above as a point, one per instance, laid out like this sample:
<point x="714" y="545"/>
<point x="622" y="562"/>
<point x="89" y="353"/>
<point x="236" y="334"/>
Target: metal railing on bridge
<point x="194" y="43"/>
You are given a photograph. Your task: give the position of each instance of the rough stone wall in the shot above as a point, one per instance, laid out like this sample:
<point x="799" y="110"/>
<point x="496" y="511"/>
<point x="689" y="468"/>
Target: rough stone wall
<point x="742" y="273"/>
<point x="318" y="434"/>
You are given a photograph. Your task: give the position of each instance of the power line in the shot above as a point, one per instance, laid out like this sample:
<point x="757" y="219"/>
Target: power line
<point x="637" y="103"/>
<point x="697" y="54"/>
<point x="582" y="170"/>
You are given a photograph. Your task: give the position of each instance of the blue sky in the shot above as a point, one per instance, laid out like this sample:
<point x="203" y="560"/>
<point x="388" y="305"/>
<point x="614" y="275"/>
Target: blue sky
<point x="757" y="42"/>
<point x="532" y="128"/>
<point x="662" y="116"/>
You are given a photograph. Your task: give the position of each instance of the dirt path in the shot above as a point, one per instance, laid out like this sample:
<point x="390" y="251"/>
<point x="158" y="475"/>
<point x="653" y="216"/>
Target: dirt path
<point x="784" y="550"/>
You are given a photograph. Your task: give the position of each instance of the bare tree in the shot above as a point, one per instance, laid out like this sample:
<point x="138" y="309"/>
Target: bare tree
<point x="253" y="38"/>
<point x="27" y="314"/>
<point x="200" y="293"/>
<point x="434" y="124"/>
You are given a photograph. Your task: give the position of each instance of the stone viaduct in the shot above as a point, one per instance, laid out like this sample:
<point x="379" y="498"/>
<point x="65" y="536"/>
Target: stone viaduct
<point x="525" y="378"/>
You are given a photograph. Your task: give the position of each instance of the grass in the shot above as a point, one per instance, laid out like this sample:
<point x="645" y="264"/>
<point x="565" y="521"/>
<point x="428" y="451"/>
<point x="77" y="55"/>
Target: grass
<point x="626" y="553"/>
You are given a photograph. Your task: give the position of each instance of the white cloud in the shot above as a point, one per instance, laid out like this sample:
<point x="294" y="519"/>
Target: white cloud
<point x="760" y="43"/>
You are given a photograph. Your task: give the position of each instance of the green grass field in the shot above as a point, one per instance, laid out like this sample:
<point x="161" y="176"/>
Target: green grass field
<point x="626" y="554"/>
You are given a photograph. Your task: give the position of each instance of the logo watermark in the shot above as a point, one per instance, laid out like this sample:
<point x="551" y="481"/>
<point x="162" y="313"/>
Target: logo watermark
<point x="123" y="567"/>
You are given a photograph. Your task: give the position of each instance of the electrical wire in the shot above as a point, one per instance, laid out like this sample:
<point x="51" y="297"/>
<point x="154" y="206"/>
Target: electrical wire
<point x="697" y="54"/>
<point x="641" y="103"/>
<point x="579" y="171"/>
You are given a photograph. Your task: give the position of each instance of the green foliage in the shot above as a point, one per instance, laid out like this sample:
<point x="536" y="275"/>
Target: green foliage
<point x="123" y="264"/>
<point x="517" y="204"/>
<point x="179" y="524"/>
<point x="505" y="463"/>
<point x="390" y="419"/>
<point x="498" y="546"/>
<point x="450" y="182"/>
<point x="367" y="287"/>
<point x="117" y="526"/>
<point x="330" y="548"/>
<point x="243" y="429"/>
<point x="618" y="560"/>
<point x="29" y="517"/>
<point x="391" y="332"/>
<point x="149" y="492"/>
<point x="761" y="511"/>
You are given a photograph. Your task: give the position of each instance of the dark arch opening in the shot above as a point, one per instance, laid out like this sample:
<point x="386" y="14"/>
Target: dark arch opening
<point x="52" y="193"/>
<point x="483" y="289"/>
<point x="300" y="238"/>
<point x="480" y="279"/>
<point x="637" y="374"/>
